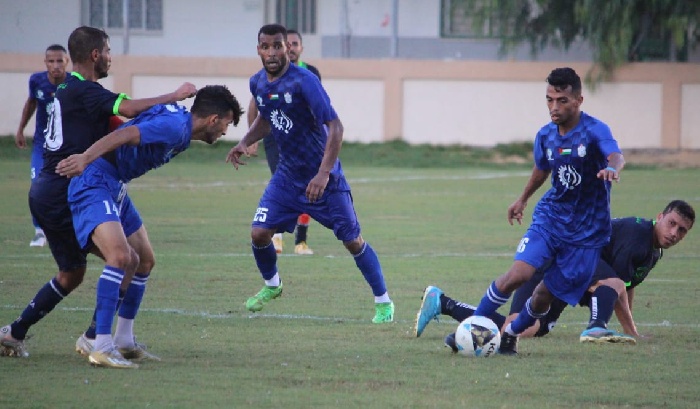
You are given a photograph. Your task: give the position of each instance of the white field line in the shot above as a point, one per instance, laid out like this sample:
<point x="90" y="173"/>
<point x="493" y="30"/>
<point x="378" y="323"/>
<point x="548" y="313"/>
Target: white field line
<point x="209" y="315"/>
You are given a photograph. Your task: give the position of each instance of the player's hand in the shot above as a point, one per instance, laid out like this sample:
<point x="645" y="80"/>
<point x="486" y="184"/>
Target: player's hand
<point x="74" y="165"/>
<point x="515" y="211"/>
<point x="186" y="90"/>
<point x="234" y="155"/>
<point x="316" y="187"/>
<point x="253" y="149"/>
<point x="20" y="140"/>
<point x="609" y="174"/>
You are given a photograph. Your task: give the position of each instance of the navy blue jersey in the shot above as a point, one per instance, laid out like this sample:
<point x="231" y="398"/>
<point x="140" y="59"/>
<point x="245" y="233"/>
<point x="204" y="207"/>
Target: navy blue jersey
<point x="42" y="91"/>
<point x="297" y="107"/>
<point x="311" y="68"/>
<point x="166" y="130"/>
<point x="631" y="251"/>
<point x="79" y="116"/>
<point x="577" y="206"/>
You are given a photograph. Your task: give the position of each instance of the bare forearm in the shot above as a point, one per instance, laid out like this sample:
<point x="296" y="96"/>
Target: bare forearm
<point x="333" y="145"/>
<point x="27" y="112"/>
<point x="537" y="179"/>
<point x="258" y="130"/>
<point x="124" y="136"/>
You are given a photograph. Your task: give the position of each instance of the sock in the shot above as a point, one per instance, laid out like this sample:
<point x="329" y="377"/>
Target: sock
<point x="266" y="259"/>
<point x="525" y="319"/>
<point x="384" y="298"/>
<point x="602" y="306"/>
<point x="368" y="263"/>
<point x="90" y="332"/>
<point x="107" y="298"/>
<point x="124" y="334"/>
<point x="491" y="301"/>
<point x="461" y="311"/>
<point x="302" y="228"/>
<point x="43" y="302"/>
<point x="274" y="281"/>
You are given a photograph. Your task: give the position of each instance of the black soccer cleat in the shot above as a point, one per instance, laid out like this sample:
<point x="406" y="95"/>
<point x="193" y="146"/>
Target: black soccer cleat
<point x="451" y="342"/>
<point x="509" y="344"/>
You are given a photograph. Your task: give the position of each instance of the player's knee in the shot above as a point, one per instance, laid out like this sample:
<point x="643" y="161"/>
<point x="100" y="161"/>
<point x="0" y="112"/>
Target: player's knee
<point x="147" y="261"/>
<point x="261" y="237"/>
<point x="615" y="283"/>
<point x="70" y="280"/>
<point x="354" y="246"/>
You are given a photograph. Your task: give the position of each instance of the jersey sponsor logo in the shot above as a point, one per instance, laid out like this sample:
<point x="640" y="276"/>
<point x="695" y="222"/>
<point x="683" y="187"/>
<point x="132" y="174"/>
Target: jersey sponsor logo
<point x="568" y="177"/>
<point x="260" y="101"/>
<point x="53" y="133"/>
<point x="549" y="154"/>
<point x="288" y="97"/>
<point x="581" y="150"/>
<point x="281" y="121"/>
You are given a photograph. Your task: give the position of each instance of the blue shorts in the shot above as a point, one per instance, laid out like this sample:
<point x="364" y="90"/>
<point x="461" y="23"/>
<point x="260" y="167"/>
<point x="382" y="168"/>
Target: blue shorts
<point x="571" y="270"/>
<point x="98" y="196"/>
<point x="37" y="161"/>
<point x="50" y="209"/>
<point x="282" y="203"/>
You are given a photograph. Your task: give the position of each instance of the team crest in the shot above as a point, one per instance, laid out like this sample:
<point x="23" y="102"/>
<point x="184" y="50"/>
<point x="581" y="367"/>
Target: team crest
<point x="288" y="97"/>
<point x="569" y="177"/>
<point x="581" y="150"/>
<point x="281" y="121"/>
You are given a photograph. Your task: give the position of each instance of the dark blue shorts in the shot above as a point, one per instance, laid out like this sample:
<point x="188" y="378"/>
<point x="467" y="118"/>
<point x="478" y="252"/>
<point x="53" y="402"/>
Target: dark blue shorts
<point x="49" y="207"/>
<point x="97" y="197"/>
<point x="571" y="270"/>
<point x="282" y="203"/>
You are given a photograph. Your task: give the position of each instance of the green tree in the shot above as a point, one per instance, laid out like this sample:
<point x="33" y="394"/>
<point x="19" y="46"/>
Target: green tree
<point x="616" y="30"/>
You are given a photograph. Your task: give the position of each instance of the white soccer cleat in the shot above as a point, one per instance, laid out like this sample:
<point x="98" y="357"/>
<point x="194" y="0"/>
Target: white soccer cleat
<point x="84" y="346"/>
<point x="278" y="242"/>
<point x="39" y="240"/>
<point x="110" y="359"/>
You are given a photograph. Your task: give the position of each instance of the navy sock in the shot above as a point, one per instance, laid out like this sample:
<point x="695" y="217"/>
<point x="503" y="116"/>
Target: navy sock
<point x="107" y="298"/>
<point x="491" y="301"/>
<point x="133" y="297"/>
<point x="43" y="302"/>
<point x="461" y="311"/>
<point x="368" y="263"/>
<point x="301" y="231"/>
<point x="266" y="259"/>
<point x="602" y="305"/>
<point x="526" y="318"/>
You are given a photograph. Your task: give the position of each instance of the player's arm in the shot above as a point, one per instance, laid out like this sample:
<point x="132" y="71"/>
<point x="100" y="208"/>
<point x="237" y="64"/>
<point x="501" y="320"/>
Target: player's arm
<point x="132" y="107"/>
<point x="74" y="165"/>
<point x="317" y="185"/>
<point x="258" y="130"/>
<point x="537" y="179"/>
<point x="630" y="297"/>
<point x="250" y="116"/>
<point x="27" y="112"/>
<point x="623" y="312"/>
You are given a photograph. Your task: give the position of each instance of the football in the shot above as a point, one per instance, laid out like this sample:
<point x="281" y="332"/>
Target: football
<point x="477" y="336"/>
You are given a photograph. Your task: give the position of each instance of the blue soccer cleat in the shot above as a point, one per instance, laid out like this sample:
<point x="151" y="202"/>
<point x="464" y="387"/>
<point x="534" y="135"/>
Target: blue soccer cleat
<point x="429" y="308"/>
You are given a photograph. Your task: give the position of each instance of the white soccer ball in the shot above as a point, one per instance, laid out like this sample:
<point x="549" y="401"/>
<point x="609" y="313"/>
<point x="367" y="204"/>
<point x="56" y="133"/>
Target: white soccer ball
<point x="477" y="336"/>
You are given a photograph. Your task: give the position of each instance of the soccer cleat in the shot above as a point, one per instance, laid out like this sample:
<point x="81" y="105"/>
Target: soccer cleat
<point x="256" y="302"/>
<point x="11" y="347"/>
<point x="620" y="338"/>
<point x="598" y="335"/>
<point x="138" y="353"/>
<point x="451" y="342"/>
<point x="110" y="359"/>
<point x="509" y="344"/>
<point x="303" y="249"/>
<point x="39" y="240"/>
<point x="384" y="312"/>
<point x="278" y="242"/>
<point x="429" y="309"/>
<point x="84" y="345"/>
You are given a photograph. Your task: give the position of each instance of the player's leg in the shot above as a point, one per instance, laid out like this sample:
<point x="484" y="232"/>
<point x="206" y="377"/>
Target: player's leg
<point x="275" y="212"/>
<point x="603" y="295"/>
<point x="37" y="162"/>
<point x="272" y="158"/>
<point x="301" y="236"/>
<point x="520" y="297"/>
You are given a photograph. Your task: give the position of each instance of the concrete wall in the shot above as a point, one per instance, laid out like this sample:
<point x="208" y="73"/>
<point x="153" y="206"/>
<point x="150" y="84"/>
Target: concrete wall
<point x="649" y="105"/>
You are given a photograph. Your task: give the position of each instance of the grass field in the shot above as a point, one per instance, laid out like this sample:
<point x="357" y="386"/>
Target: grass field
<point x="316" y="346"/>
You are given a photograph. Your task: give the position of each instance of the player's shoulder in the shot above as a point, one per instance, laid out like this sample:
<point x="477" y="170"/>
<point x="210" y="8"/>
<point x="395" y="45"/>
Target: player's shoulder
<point x="38" y="76"/>
<point x="632" y="224"/>
<point x="594" y="125"/>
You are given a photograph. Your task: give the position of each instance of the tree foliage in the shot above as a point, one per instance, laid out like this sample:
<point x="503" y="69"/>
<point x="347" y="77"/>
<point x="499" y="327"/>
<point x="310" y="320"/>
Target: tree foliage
<point x="613" y="29"/>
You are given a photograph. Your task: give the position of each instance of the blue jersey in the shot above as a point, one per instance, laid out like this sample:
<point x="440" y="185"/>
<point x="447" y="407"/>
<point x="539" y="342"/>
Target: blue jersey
<point x="297" y="107"/>
<point x="79" y="116"/>
<point x="166" y="130"/>
<point x="577" y="207"/>
<point x="42" y="91"/>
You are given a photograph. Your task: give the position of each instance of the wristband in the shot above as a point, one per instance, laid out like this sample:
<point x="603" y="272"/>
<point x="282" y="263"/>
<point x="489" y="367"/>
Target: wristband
<point x="610" y="168"/>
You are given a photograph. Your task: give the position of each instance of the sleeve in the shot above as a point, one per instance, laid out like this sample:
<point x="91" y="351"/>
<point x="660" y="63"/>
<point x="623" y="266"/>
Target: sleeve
<point x="539" y="153"/>
<point x="32" y="86"/>
<point x="166" y="128"/>
<point x="606" y="142"/>
<point x="98" y="100"/>
<point x="317" y="98"/>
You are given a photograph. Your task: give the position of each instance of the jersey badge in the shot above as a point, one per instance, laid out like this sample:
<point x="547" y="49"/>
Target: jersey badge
<point x="581" y="150"/>
<point x="288" y="97"/>
<point x="549" y="154"/>
<point x="281" y="121"/>
<point x="568" y="177"/>
<point x="564" y="151"/>
<point x="273" y="97"/>
<point x="260" y="101"/>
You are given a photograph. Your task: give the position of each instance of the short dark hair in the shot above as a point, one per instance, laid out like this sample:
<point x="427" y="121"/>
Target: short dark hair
<point x="563" y="78"/>
<point x="216" y="99"/>
<point x="292" y="31"/>
<point x="56" y="47"/>
<point x="85" y="39"/>
<point x="272" y="29"/>
<point x="682" y="208"/>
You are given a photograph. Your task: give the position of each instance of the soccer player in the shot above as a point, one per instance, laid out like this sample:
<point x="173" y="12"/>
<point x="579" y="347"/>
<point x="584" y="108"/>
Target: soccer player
<point x="42" y="87"/>
<point x="635" y="246"/>
<point x="272" y="154"/>
<point x="571" y="222"/>
<point x="103" y="211"/>
<point x="309" y="179"/>
<point x="79" y="116"/>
